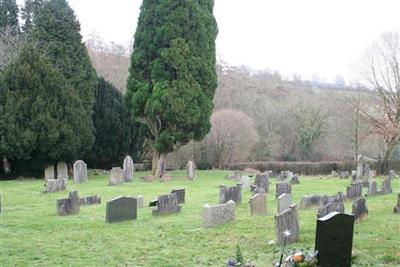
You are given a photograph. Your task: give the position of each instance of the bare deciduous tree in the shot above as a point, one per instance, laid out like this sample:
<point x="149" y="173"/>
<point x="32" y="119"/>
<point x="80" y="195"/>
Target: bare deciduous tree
<point x="10" y="45"/>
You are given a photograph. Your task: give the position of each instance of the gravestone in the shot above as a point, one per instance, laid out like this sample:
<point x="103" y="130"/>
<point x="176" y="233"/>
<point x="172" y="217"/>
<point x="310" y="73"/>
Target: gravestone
<point x="218" y="214"/>
<point x="344" y="175"/>
<point x="55" y="185"/>
<point x="334" y="240"/>
<point x="282" y="188"/>
<point x="165" y="178"/>
<point x="287" y="221"/>
<point x="180" y="194"/>
<point x="330" y="207"/>
<point x="256" y="190"/>
<point x="372" y="189"/>
<point x="233" y="193"/>
<point x="386" y="187"/>
<point x="116" y="176"/>
<point x="190" y="170"/>
<point x="62" y="170"/>
<point x="236" y="176"/>
<point x="167" y="204"/>
<point x="68" y="206"/>
<point x="80" y="172"/>
<point x="354" y="190"/>
<point x="49" y="173"/>
<point x="284" y="202"/>
<point x="360" y="209"/>
<point x="128" y="169"/>
<point x="354" y="175"/>
<point x="262" y="180"/>
<point x="91" y="200"/>
<point x="392" y="174"/>
<point x="140" y="201"/>
<point x="121" y="209"/>
<point x="258" y="204"/>
<point x="396" y="209"/>
<point x="295" y="179"/>
<point x="319" y="200"/>
<point x="334" y="174"/>
<point x="245" y="181"/>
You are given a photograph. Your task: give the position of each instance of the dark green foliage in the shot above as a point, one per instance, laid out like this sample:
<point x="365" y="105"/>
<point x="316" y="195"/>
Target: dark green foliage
<point x="40" y="119"/>
<point x="9" y="14"/>
<point x="56" y="31"/>
<point x="114" y="128"/>
<point x="172" y="75"/>
<point x="29" y="11"/>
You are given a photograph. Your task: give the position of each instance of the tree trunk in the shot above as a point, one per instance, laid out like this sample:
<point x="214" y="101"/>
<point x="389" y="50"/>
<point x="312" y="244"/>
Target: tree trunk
<point x="389" y="150"/>
<point x="162" y="165"/>
<point x="154" y="161"/>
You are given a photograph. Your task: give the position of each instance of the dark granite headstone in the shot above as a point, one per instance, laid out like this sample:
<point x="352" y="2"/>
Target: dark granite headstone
<point x="180" y="193"/>
<point x="68" y="206"/>
<point x="360" y="209"/>
<point x="233" y="193"/>
<point x="262" y="180"/>
<point x="282" y="188"/>
<point x="121" y="209"/>
<point x="167" y="204"/>
<point x="397" y="208"/>
<point x="334" y="240"/>
<point x="91" y="200"/>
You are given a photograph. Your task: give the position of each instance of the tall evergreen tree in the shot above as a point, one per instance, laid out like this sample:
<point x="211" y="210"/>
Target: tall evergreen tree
<point x="57" y="34"/>
<point x="28" y="12"/>
<point x="40" y="120"/>
<point x="9" y="14"/>
<point x="172" y="75"/>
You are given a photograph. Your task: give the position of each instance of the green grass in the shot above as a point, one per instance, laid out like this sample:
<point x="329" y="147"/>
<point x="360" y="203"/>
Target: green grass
<point x="33" y="235"/>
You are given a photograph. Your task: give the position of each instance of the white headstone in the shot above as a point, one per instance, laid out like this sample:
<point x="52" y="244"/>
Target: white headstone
<point x="284" y="202"/>
<point x="128" y="169"/>
<point x="80" y="172"/>
<point x="62" y="170"/>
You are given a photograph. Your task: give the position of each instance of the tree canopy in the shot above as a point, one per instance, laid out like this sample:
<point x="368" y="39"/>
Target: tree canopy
<point x="9" y="14"/>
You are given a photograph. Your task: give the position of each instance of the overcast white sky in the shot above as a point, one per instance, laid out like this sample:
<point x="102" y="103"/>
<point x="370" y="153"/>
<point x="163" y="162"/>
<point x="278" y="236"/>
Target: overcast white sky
<point x="324" y="37"/>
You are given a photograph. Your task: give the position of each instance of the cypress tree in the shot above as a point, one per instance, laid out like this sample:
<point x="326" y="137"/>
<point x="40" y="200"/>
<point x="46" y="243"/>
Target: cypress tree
<point x="56" y="31"/>
<point x="9" y="14"/>
<point x="40" y="120"/>
<point x="172" y="75"/>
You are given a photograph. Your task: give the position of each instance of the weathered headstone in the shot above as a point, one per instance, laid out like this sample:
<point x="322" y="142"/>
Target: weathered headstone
<point x="54" y="185"/>
<point x="262" y="180"/>
<point x="167" y="204"/>
<point x="121" y="209"/>
<point x="330" y="207"/>
<point x="49" y="173"/>
<point x="258" y="204"/>
<point x="68" y="206"/>
<point x="180" y="194"/>
<point x="91" y="200"/>
<point x="320" y="200"/>
<point x="295" y="179"/>
<point x="287" y="221"/>
<point x="128" y="169"/>
<point x="80" y="172"/>
<point x="334" y="240"/>
<point x="190" y="170"/>
<point x="245" y="180"/>
<point x="354" y="175"/>
<point x="396" y="209"/>
<point x="115" y="176"/>
<point x="256" y="190"/>
<point x="386" y="187"/>
<point x="354" y="190"/>
<point x="236" y="176"/>
<point x="282" y="188"/>
<point x="233" y="193"/>
<point x="140" y="201"/>
<point x="284" y="202"/>
<point x="218" y="214"/>
<point x="372" y="189"/>
<point x="334" y="174"/>
<point x="359" y="209"/>
<point x="392" y="174"/>
<point x="344" y="175"/>
<point x="62" y="170"/>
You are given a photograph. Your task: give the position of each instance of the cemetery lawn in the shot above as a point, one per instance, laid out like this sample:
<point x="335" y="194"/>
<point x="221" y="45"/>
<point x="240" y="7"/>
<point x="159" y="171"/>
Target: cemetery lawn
<point x="32" y="234"/>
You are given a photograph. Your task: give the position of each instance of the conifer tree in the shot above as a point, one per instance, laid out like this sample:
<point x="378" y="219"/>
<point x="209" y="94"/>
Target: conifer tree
<point x="9" y="14"/>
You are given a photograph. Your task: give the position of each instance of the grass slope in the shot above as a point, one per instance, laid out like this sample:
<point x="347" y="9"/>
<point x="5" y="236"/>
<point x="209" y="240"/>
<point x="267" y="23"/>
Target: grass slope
<point x="31" y="233"/>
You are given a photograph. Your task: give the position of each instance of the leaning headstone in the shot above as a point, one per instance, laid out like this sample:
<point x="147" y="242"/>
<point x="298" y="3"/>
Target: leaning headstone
<point x="392" y="174"/>
<point x="190" y="170"/>
<point x="115" y="176"/>
<point x="80" y="172"/>
<point x="284" y="202"/>
<point x="359" y="209"/>
<point x="396" y="209"/>
<point x="258" y="204"/>
<point x="330" y="207"/>
<point x="121" y="209"/>
<point x="62" y="170"/>
<point x="334" y="239"/>
<point x="128" y="169"/>
<point x="140" y="201"/>
<point x="233" y="193"/>
<point x="180" y="193"/>
<point x="55" y="185"/>
<point x="262" y="180"/>
<point x="287" y="221"/>
<point x="91" y="200"/>
<point x="218" y="214"/>
<point x="167" y="204"/>
<point x="245" y="180"/>
<point x="68" y="206"/>
<point x="282" y="188"/>
<point x="372" y="189"/>
<point x="49" y="173"/>
<point x="295" y="179"/>
<point x="386" y="187"/>
<point x="256" y="190"/>
<point x="354" y="190"/>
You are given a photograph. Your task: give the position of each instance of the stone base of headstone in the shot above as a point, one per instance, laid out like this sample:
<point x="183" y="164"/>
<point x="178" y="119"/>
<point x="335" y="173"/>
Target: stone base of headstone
<point x="258" y="204"/>
<point x="165" y="178"/>
<point x="55" y="185"/>
<point x="359" y="209"/>
<point x="91" y="200"/>
<point x="68" y="206"/>
<point x="218" y="214"/>
<point x="121" y="209"/>
<point x="149" y="178"/>
<point x="180" y="193"/>
<point x="233" y="193"/>
<point x="167" y="204"/>
<point x="396" y="209"/>
<point x="287" y="221"/>
<point x="330" y="207"/>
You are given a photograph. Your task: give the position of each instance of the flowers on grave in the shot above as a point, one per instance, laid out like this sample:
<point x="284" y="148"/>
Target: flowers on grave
<point x="238" y="261"/>
<point x="300" y="258"/>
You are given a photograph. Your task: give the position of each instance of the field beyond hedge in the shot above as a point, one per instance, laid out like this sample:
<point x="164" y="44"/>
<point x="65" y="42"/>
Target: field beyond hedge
<point x="33" y="235"/>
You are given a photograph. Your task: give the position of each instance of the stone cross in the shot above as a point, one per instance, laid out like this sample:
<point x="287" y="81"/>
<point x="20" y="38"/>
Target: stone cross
<point x="334" y="239"/>
<point x="258" y="204"/>
<point x="287" y="221"/>
<point x="121" y="209"/>
<point x="80" y="172"/>
<point x="128" y="169"/>
<point x="218" y="214"/>
<point x="68" y="206"/>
